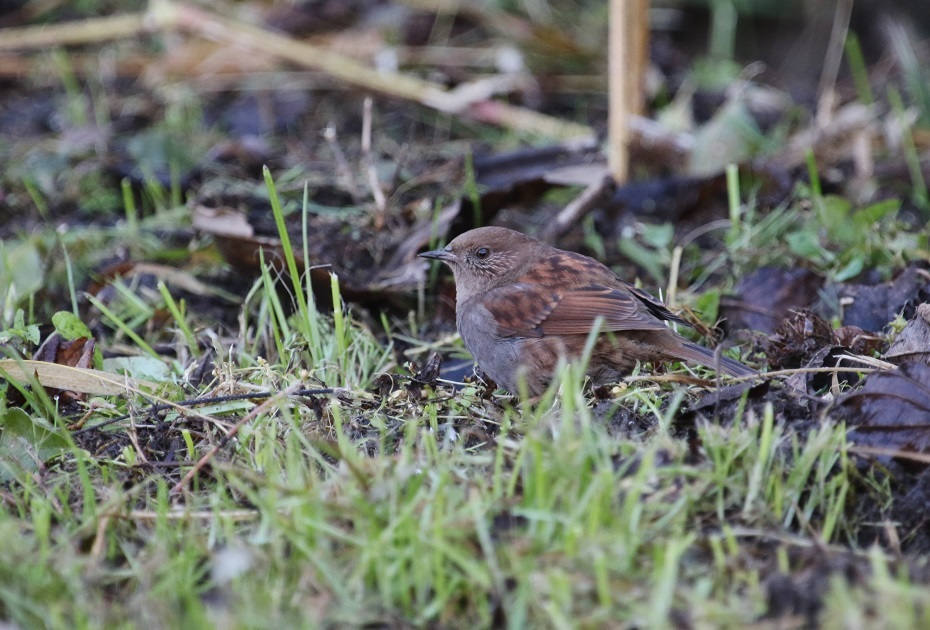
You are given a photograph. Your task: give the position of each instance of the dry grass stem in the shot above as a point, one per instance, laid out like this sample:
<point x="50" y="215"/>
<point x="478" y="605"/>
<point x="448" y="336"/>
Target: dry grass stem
<point x="91" y="31"/>
<point x="368" y="159"/>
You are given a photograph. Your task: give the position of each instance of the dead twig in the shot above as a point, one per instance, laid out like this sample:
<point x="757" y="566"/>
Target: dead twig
<point x="831" y="64"/>
<point x="342" y="164"/>
<point x="368" y="160"/>
<point x="595" y="193"/>
<point x="526" y="120"/>
<point x="100" y="538"/>
<point x="187" y="515"/>
<point x="923" y="458"/>
<point x="91" y="31"/>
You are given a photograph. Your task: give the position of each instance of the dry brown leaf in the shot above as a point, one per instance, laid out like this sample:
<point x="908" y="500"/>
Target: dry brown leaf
<point x="75" y="379"/>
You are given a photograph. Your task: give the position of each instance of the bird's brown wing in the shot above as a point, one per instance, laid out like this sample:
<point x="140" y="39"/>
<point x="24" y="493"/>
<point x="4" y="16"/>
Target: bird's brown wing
<point x="527" y="310"/>
<point x="653" y="305"/>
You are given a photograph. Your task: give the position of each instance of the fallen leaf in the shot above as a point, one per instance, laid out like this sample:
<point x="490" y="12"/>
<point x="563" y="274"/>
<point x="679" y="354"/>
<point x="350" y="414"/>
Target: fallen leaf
<point x="890" y="411"/>
<point x="913" y="343"/>
<point x="75" y="379"/>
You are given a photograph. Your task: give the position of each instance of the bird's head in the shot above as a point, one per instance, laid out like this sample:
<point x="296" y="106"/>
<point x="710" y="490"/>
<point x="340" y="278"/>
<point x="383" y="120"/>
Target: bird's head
<point x="486" y="258"/>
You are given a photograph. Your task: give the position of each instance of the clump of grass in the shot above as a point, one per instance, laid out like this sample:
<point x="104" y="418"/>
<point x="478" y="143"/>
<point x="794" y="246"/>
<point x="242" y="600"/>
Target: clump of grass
<point x="825" y="232"/>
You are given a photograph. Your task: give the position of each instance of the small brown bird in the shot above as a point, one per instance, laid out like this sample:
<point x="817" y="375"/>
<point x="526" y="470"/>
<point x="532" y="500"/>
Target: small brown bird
<point x="521" y="305"/>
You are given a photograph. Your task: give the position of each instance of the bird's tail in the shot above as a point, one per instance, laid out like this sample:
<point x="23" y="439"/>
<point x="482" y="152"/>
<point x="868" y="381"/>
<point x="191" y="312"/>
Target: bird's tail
<point x="704" y="356"/>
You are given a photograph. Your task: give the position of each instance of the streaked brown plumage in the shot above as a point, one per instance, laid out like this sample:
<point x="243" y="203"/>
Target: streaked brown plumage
<point x="522" y="304"/>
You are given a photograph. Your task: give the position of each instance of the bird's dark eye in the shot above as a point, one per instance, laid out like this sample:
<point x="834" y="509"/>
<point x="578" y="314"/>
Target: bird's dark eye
<point x="482" y="252"/>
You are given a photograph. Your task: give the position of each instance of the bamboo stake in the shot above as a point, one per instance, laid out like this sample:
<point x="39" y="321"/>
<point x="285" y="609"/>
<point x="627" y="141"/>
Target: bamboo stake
<point x="626" y="63"/>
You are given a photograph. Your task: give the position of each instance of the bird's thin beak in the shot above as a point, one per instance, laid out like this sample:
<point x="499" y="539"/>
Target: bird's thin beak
<point x="444" y="255"/>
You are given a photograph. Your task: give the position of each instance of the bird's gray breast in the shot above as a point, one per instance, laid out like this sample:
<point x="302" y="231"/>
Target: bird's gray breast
<point x="497" y="356"/>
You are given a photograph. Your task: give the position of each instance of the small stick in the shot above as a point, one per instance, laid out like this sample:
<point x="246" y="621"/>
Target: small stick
<point x="99" y="545"/>
<point x="373" y="183"/>
<point x="185" y="515"/>
<point x="831" y="64"/>
<point x="89" y="31"/>
<point x="342" y="164"/>
<point x="923" y="458"/>
<point x="589" y="198"/>
<point x="526" y="120"/>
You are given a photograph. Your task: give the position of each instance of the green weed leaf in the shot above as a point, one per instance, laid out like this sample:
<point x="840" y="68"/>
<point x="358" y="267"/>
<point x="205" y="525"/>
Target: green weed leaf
<point x="26" y="442"/>
<point x="69" y="326"/>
